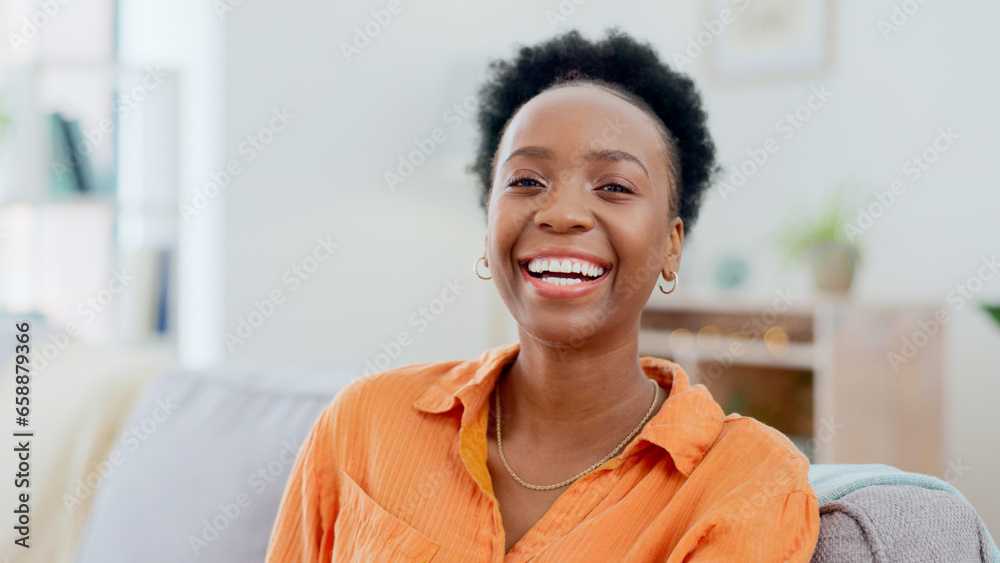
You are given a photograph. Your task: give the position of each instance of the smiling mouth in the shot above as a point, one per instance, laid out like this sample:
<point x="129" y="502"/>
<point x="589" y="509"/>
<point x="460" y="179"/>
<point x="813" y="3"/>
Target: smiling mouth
<point x="564" y="272"/>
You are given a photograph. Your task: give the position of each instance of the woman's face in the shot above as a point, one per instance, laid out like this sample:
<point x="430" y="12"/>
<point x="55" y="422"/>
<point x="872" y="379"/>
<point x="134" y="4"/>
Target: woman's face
<point x="581" y="183"/>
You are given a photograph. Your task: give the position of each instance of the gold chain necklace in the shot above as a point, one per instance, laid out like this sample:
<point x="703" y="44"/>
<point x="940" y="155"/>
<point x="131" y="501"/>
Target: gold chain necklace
<point x="645" y="419"/>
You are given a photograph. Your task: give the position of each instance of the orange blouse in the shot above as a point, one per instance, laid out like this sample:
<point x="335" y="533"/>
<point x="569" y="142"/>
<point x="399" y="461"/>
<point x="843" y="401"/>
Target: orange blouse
<point x="395" y="469"/>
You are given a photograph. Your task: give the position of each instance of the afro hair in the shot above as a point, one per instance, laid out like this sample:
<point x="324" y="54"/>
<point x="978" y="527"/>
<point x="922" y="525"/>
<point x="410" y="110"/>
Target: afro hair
<point x="627" y="68"/>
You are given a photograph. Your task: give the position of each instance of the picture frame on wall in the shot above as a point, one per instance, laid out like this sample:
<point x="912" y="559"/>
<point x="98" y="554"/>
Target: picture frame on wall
<point x="768" y="40"/>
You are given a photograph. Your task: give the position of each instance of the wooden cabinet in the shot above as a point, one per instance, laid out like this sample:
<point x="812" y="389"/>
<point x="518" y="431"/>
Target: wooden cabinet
<point x="847" y="382"/>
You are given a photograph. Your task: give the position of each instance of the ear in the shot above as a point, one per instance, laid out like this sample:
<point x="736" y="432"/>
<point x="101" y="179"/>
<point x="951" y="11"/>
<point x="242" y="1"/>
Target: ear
<point x="675" y="246"/>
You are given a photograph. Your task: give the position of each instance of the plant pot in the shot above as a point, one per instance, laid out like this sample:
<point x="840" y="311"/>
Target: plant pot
<point x="833" y="266"/>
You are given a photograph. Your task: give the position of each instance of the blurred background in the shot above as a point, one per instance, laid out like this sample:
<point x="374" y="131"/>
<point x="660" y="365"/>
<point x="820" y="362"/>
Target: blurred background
<point x="195" y="183"/>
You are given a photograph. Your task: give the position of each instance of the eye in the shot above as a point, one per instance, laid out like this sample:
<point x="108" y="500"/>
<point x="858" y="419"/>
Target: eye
<point x="519" y="181"/>
<point x="620" y="188"/>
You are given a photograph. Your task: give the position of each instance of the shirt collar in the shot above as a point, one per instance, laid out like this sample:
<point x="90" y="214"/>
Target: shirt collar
<point x="686" y="425"/>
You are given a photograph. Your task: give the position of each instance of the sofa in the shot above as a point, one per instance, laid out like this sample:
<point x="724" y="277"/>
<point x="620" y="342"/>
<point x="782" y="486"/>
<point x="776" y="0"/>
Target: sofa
<point x="195" y="466"/>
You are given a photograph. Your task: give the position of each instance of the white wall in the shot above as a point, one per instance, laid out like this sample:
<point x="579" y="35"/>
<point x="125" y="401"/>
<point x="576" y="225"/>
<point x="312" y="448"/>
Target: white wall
<point x="323" y="176"/>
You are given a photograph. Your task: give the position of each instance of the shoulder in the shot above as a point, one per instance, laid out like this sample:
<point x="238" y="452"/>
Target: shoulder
<point x="759" y="505"/>
<point x="763" y="461"/>
<point x="372" y="409"/>
<point x="390" y="389"/>
<point x="744" y="430"/>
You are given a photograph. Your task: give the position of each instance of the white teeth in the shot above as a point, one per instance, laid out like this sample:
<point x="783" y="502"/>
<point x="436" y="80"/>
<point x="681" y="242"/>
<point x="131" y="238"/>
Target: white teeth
<point x="561" y="281"/>
<point x="565" y="266"/>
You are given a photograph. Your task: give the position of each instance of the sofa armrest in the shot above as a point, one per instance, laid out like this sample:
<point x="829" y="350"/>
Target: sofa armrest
<point x="900" y="523"/>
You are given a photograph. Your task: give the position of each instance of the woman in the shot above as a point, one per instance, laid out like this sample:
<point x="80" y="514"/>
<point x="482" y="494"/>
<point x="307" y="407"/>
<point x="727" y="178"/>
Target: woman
<point x="566" y="446"/>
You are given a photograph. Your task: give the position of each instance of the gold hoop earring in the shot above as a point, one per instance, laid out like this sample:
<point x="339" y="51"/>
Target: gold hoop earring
<point x="674" y="286"/>
<point x="475" y="268"/>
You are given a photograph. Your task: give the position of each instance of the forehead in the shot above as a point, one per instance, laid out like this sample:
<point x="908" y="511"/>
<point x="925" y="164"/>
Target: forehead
<point x="582" y="118"/>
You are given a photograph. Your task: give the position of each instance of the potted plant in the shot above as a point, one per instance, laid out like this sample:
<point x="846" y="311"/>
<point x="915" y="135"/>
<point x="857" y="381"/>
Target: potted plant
<point x="822" y="239"/>
<point x="993" y="311"/>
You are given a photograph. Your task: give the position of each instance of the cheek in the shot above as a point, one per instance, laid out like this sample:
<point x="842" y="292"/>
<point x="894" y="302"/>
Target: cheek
<point x="506" y="222"/>
<point x="639" y="233"/>
<point x="640" y="245"/>
<point x="503" y="233"/>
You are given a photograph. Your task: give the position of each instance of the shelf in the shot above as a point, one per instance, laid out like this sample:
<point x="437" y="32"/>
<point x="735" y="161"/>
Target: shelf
<point x="743" y="351"/>
<point x="818" y="373"/>
<point x="116" y="130"/>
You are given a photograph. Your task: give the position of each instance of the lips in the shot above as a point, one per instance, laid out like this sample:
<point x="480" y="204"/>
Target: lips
<point x="563" y="273"/>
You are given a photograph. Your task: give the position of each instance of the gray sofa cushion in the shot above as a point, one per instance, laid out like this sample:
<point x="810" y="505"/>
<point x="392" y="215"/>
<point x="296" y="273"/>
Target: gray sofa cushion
<point x="204" y="462"/>
<point x="900" y="524"/>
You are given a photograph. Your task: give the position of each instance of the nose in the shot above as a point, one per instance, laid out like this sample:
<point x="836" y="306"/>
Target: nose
<point x="564" y="208"/>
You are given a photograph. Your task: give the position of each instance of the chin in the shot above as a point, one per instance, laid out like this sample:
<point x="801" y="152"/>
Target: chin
<point x="557" y="331"/>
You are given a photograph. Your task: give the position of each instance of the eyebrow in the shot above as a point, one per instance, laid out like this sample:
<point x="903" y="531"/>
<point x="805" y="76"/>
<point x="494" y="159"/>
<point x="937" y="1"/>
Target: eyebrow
<point x="603" y="155"/>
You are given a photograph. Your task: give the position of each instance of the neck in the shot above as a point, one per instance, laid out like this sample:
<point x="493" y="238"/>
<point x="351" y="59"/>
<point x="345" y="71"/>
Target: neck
<point x="573" y="399"/>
